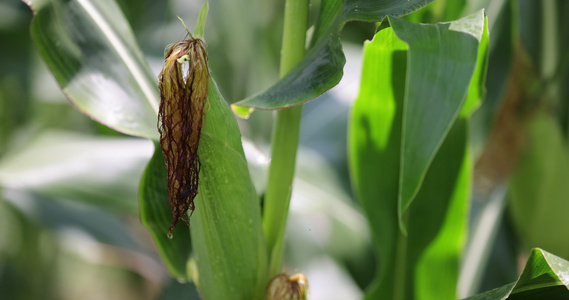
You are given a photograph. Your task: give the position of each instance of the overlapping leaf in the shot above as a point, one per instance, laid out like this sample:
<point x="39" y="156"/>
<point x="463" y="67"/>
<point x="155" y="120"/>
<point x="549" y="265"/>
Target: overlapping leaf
<point x="322" y="67"/>
<point x="374" y="147"/>
<point x="442" y="60"/>
<point x="91" y="51"/>
<point x="226" y="225"/>
<point x="156" y="216"/>
<point x="405" y="110"/>
<point x="545" y="276"/>
<point x="227" y="240"/>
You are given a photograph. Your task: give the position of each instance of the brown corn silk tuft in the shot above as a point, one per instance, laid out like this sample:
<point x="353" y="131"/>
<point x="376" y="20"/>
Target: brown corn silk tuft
<point x="183" y="93"/>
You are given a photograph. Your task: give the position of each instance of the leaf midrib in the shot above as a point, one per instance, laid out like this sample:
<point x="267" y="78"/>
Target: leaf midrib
<point x="122" y="50"/>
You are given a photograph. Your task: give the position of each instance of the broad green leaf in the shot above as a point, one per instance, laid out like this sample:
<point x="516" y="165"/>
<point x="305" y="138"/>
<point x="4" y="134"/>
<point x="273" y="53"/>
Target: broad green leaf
<point x="438" y="219"/>
<point x="441" y="61"/>
<point x="91" y="51"/>
<point x="538" y="187"/>
<point x="227" y="240"/>
<point x="374" y="147"/>
<point x="59" y="215"/>
<point x="424" y="263"/>
<point x="156" y="216"/>
<point x="101" y="172"/>
<point x="545" y="276"/>
<point x="322" y="67"/>
<point x="226" y="231"/>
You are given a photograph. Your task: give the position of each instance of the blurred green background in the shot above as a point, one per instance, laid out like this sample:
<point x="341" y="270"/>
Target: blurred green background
<point x="69" y="225"/>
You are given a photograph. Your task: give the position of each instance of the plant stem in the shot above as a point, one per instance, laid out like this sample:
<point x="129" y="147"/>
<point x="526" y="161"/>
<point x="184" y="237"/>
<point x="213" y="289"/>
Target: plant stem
<point x="400" y="276"/>
<point x="294" y="34"/>
<point x="284" y="139"/>
<point x="279" y="187"/>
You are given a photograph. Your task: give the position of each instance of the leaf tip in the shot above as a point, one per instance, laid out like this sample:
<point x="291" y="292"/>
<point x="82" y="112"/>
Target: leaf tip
<point x="200" y="23"/>
<point x="187" y="30"/>
<point x="242" y="111"/>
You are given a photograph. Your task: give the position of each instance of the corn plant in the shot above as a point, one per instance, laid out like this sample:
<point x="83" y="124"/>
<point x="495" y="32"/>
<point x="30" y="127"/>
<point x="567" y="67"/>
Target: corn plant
<point x="435" y="88"/>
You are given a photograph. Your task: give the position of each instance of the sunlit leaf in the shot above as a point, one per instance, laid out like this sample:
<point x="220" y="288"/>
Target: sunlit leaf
<point x="91" y="51"/>
<point x="400" y="81"/>
<point x="374" y="146"/>
<point x="477" y="88"/>
<point x="101" y="172"/>
<point x="437" y="220"/>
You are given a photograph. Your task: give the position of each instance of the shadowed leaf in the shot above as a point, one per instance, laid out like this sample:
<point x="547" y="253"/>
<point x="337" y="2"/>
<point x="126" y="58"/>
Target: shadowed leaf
<point x="322" y="66"/>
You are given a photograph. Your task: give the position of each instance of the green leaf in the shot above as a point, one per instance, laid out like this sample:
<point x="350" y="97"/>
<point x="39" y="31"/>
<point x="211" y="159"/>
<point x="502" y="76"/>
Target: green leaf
<point x="91" y="51"/>
<point x="58" y="215"/>
<point x="374" y="151"/>
<point x="500" y="293"/>
<point x="322" y="66"/>
<point x="101" y="172"/>
<point x="441" y="62"/>
<point x="200" y="23"/>
<point x="226" y="230"/>
<point x="227" y="240"/>
<point x="538" y="187"/>
<point x="477" y="89"/>
<point x="242" y="112"/>
<point x="545" y="276"/>
<point x="437" y="219"/>
<point x="156" y="216"/>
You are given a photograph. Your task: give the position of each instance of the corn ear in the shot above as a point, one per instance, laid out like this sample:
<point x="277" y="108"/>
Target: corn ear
<point x="183" y="94"/>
